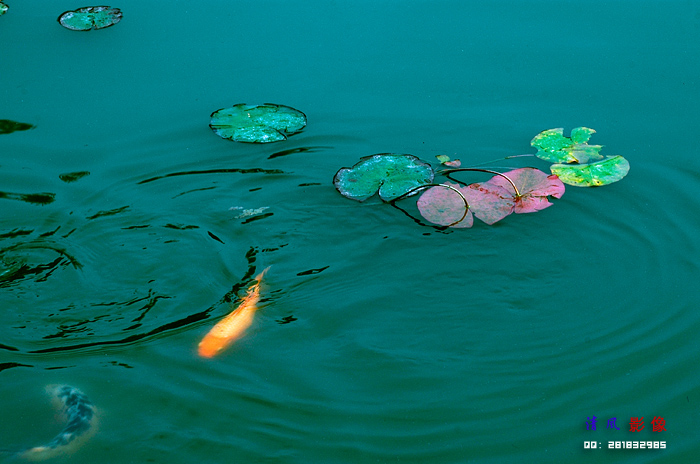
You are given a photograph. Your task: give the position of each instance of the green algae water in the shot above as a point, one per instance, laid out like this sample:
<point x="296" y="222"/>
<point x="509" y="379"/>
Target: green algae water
<point x="128" y="228"/>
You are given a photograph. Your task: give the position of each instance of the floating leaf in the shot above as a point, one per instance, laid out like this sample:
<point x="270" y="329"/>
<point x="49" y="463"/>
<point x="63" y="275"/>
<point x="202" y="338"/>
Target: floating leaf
<point x="534" y="186"/>
<point x="391" y="174"/>
<point x="257" y="124"/>
<point x="90" y="17"/>
<point x="7" y="126"/>
<point x="445" y="205"/>
<point x="523" y="190"/>
<point x="595" y="174"/>
<point x="554" y="147"/>
<point x="3" y="8"/>
<point x="490" y="203"/>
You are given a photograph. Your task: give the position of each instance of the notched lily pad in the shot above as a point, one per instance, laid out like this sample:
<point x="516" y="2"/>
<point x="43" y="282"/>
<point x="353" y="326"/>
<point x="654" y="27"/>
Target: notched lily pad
<point x="554" y="147"/>
<point x="392" y="175"/>
<point x="90" y="17"/>
<point x="7" y="126"/>
<point x="257" y="123"/>
<point x="595" y="174"/>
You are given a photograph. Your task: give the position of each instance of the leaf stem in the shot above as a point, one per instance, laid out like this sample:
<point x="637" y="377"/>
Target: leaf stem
<point x="500" y="159"/>
<point x="447" y="172"/>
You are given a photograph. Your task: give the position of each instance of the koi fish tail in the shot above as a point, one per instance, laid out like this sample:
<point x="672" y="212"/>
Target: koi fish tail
<point x="262" y="274"/>
<point x="80" y="415"/>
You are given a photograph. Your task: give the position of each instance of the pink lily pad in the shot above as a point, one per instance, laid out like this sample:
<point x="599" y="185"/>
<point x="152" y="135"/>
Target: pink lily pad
<point x="490" y="203"/>
<point x="534" y="187"/>
<point x="442" y="205"/>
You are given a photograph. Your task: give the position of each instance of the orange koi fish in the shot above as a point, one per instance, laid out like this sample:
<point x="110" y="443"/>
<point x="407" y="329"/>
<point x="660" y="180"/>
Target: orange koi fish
<point x="234" y="325"/>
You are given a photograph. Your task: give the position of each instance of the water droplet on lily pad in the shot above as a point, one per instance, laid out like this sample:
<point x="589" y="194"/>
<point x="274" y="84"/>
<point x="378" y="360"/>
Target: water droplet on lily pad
<point x="392" y="175"/>
<point x="257" y="123"/>
<point x="604" y="172"/>
<point x="90" y="17"/>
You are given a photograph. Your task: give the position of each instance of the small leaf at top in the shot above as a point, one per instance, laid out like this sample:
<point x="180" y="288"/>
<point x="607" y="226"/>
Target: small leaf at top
<point x="257" y="123"/>
<point x="554" y="147"/>
<point x="444" y="159"/>
<point x="90" y="17"/>
<point x="390" y="174"/>
<point x="3" y="8"/>
<point x="604" y="172"/>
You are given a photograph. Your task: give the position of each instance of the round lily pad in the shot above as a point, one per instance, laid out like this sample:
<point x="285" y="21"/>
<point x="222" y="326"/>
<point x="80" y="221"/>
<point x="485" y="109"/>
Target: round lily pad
<point x="391" y="174"/>
<point x="595" y="174"/>
<point x="90" y="17"/>
<point x="257" y="123"/>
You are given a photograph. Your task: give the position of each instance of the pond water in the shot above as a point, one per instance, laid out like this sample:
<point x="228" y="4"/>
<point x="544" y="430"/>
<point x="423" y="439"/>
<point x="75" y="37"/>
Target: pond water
<point x="378" y="339"/>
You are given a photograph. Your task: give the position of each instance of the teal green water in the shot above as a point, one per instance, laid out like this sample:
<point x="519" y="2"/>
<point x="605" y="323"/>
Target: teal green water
<point x="378" y="339"/>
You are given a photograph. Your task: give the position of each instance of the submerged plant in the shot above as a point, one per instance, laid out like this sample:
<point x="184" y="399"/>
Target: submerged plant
<point x="257" y="123"/>
<point x="90" y="17"/>
<point x="454" y="204"/>
<point x="7" y="126"/>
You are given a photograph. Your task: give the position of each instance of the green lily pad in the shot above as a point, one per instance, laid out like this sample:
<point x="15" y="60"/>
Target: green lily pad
<point x="595" y="174"/>
<point x="257" y="124"/>
<point x="3" y="8"/>
<point x="7" y="126"/>
<point x="554" y="147"/>
<point x="90" y="17"/>
<point x="392" y="175"/>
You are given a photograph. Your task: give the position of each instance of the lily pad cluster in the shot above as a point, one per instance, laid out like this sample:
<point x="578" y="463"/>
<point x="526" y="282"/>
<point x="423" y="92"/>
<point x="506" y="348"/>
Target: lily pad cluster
<point x="257" y="123"/>
<point x="572" y="156"/>
<point x="455" y="204"/>
<point x="90" y="17"/>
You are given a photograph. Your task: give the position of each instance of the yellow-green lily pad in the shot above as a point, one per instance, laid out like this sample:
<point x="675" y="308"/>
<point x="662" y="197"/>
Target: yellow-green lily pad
<point x="595" y="174"/>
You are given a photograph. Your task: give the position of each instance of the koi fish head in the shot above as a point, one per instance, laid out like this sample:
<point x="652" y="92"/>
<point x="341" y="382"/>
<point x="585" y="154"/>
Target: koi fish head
<point x="211" y="346"/>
